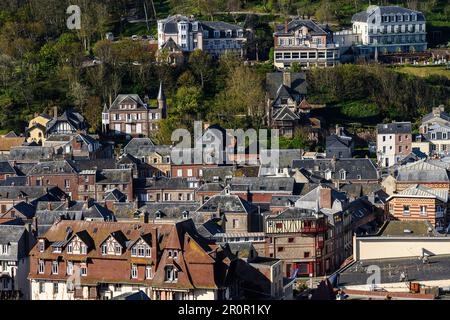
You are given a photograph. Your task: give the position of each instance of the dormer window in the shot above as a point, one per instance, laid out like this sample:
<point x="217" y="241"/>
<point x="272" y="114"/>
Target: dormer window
<point x="41" y="245"/>
<point x="171" y="273"/>
<point x="175" y="254"/>
<point x="216" y="34"/>
<point x="57" y="249"/>
<point x="342" y="175"/>
<point x="104" y="249"/>
<point x="118" y="249"/>
<point x="83" y="249"/>
<point x="185" y="214"/>
<point x="69" y="248"/>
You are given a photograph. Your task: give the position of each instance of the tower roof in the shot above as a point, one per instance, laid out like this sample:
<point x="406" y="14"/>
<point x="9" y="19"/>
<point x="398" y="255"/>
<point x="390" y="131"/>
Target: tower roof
<point x="161" y="95"/>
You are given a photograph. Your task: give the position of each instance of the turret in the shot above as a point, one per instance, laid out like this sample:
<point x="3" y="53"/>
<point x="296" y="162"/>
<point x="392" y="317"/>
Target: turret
<point x="105" y="119"/>
<point x="162" y="101"/>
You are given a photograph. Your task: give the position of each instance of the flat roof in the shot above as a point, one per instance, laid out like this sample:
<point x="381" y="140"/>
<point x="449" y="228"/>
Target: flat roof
<point x="438" y="268"/>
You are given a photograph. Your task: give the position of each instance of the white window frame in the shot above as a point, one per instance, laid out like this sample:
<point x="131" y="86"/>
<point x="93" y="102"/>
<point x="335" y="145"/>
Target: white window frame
<point x="134" y="271"/>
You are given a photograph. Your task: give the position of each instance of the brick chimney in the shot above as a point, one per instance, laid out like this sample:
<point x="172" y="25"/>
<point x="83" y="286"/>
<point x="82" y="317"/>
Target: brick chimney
<point x="325" y="198"/>
<point x="287" y="81"/>
<point x="286" y="26"/>
<point x="55" y="112"/>
<point x="338" y="130"/>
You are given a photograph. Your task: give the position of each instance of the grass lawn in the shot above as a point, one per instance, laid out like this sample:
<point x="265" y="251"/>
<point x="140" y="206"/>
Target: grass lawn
<point x="424" y="71"/>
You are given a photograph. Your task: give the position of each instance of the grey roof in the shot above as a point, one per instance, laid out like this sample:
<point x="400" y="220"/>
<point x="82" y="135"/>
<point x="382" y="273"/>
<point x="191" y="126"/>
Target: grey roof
<point x="334" y="139"/>
<point x="220" y="25"/>
<point x="356" y="169"/>
<point x="285" y="157"/>
<point x="420" y="191"/>
<point x="438" y="268"/>
<point x="364" y="15"/>
<point x="114" y="176"/>
<point x="6" y="168"/>
<point x="284" y="201"/>
<point x="54" y="168"/>
<point x="128" y="99"/>
<point x="211" y="187"/>
<point x="115" y="195"/>
<point x="227" y="203"/>
<point x="274" y="81"/>
<point x="25" y="209"/>
<point x="10" y="233"/>
<point x="394" y="128"/>
<point x="94" y="164"/>
<point x="169" y="210"/>
<point x="313" y="28"/>
<point x="297" y="213"/>
<point x="31" y="153"/>
<point x="32" y="192"/>
<point x="14" y="181"/>
<point x="162" y="183"/>
<point x="285" y="114"/>
<point x="262" y="184"/>
<point x="171" y="45"/>
<point x="422" y="171"/>
<point x="443" y="115"/>
<point x="75" y="119"/>
<point x="138" y="295"/>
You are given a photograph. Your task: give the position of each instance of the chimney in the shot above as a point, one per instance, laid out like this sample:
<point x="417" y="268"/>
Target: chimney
<point x="338" y="130"/>
<point x="67" y="202"/>
<point x="55" y="112"/>
<point x="325" y="198"/>
<point x="286" y="26"/>
<point x="34" y="225"/>
<point x="287" y="79"/>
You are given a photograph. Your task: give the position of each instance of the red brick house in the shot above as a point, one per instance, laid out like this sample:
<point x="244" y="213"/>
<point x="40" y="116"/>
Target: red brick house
<point x="166" y="261"/>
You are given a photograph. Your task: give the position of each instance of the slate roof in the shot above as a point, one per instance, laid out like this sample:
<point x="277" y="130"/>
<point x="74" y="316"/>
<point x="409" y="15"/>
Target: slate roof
<point x="394" y="128"/>
<point x="334" y="139"/>
<point x="169" y="210"/>
<point x="115" y="195"/>
<point x="419" y="191"/>
<point x="274" y="81"/>
<point x="163" y="183"/>
<point x="363" y="15"/>
<point x="285" y="114"/>
<point x="262" y="184"/>
<point x="313" y="28"/>
<point x="132" y="296"/>
<point x="63" y="167"/>
<point x="171" y="45"/>
<point x="297" y="213"/>
<point x="227" y="203"/>
<point x="284" y="201"/>
<point x="422" y="171"/>
<point x="438" y="268"/>
<point x="6" y="168"/>
<point x="211" y="187"/>
<point x="128" y="99"/>
<point x="114" y="176"/>
<point x="31" y="153"/>
<point x="10" y="233"/>
<point x="32" y="192"/>
<point x="443" y="115"/>
<point x="75" y="119"/>
<point x="14" y="181"/>
<point x="362" y="167"/>
<point x="25" y="209"/>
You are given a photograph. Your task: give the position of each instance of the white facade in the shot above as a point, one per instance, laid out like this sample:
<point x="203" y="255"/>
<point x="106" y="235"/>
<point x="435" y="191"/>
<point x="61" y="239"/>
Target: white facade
<point x="391" y="29"/>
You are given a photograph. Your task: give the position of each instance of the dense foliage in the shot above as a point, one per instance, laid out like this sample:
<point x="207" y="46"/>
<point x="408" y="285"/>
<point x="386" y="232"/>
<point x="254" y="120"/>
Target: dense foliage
<point x="43" y="64"/>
